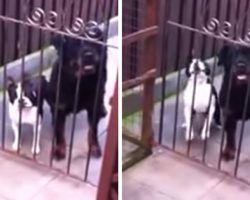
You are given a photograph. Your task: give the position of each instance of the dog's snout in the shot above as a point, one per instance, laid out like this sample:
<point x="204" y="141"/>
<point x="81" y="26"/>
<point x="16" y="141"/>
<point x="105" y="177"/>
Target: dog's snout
<point x="88" y="55"/>
<point x="241" y="65"/>
<point x="21" y="102"/>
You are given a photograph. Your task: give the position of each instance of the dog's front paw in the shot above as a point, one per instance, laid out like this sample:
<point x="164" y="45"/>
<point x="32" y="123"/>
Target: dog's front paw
<point x="15" y="146"/>
<point x="228" y="154"/>
<point x="95" y="151"/>
<point x="205" y="134"/>
<point x="59" y="152"/>
<point x="189" y="136"/>
<point x="103" y="112"/>
<point x="35" y="150"/>
<point x="184" y="125"/>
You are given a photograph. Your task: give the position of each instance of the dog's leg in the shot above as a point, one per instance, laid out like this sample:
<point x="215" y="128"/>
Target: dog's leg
<point x="189" y="130"/>
<point x="93" y="121"/>
<point x="217" y="114"/>
<point x="36" y="140"/>
<point x="207" y="123"/>
<point x="230" y="128"/>
<point x="16" y="136"/>
<point x="60" y="145"/>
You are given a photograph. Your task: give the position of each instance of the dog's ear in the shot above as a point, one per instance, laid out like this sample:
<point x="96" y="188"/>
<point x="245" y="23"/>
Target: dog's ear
<point x="207" y="69"/>
<point x="57" y="41"/>
<point x="188" y="63"/>
<point x="224" y="55"/>
<point x="187" y="71"/>
<point x="10" y="81"/>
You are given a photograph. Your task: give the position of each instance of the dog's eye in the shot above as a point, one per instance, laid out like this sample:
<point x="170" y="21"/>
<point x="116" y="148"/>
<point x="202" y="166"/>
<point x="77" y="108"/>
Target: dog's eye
<point x="34" y="93"/>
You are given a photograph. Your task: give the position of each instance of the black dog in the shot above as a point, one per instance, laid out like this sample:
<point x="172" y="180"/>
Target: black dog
<point x="82" y="60"/>
<point x="236" y="62"/>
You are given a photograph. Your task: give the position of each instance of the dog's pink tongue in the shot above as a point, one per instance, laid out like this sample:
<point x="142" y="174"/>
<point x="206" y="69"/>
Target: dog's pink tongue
<point x="242" y="77"/>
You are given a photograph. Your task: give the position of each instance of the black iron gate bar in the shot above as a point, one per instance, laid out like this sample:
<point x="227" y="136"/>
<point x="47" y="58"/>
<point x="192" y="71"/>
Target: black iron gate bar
<point x="77" y="29"/>
<point x="216" y="30"/>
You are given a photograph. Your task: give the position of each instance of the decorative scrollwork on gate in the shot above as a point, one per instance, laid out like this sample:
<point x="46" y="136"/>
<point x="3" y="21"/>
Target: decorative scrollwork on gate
<point x="37" y="16"/>
<point x="225" y="29"/>
<point x="49" y="20"/>
<point x="212" y="26"/>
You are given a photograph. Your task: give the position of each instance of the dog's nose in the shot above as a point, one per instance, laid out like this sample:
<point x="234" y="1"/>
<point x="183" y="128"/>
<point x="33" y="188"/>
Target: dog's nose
<point x="88" y="55"/>
<point x="21" y="102"/>
<point x="241" y="65"/>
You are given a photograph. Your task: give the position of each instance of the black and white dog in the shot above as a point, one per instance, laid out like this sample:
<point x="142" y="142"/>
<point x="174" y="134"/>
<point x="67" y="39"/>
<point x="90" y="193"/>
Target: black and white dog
<point x="24" y="97"/>
<point x="197" y="94"/>
<point x="236" y="63"/>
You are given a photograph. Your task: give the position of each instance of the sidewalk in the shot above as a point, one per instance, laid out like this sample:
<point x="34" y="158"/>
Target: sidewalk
<point x="24" y="180"/>
<point x="167" y="176"/>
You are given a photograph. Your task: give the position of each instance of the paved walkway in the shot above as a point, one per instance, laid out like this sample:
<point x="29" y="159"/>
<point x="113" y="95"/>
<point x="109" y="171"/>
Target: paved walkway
<point x="196" y="152"/>
<point x="167" y="176"/>
<point x="24" y="180"/>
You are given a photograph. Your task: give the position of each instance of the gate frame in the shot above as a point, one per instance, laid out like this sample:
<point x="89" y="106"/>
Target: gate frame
<point x="149" y="36"/>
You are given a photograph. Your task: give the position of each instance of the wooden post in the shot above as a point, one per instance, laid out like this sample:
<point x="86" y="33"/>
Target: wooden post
<point x="109" y="174"/>
<point x="151" y="18"/>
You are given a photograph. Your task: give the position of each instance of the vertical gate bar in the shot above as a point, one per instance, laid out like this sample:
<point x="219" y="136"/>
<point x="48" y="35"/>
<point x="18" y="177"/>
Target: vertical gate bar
<point x="209" y="105"/>
<point x="1" y="32"/>
<point x="97" y="10"/>
<point x="59" y="10"/>
<point x="163" y="41"/>
<point x="177" y="63"/>
<point x="223" y="125"/>
<point x="204" y="7"/>
<point x="22" y="36"/>
<point x="17" y="26"/>
<point x="100" y="72"/>
<point x="227" y="101"/>
<point x="58" y="91"/>
<point x="88" y="10"/>
<point x="29" y="32"/>
<point x="246" y="100"/>
<point x="81" y="9"/>
<point x="151" y="18"/>
<point x="73" y="123"/>
<point x="109" y="159"/>
<point x="4" y="55"/>
<point x="214" y="50"/>
<point x="192" y="53"/>
<point x="41" y="47"/>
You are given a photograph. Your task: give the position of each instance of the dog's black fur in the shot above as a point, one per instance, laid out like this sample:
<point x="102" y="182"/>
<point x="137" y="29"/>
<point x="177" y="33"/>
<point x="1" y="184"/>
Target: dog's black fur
<point x="73" y="57"/>
<point x="236" y="62"/>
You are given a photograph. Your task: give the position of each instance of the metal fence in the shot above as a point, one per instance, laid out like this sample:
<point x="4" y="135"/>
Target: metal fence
<point x="200" y="29"/>
<point x="27" y="26"/>
<point x="97" y="10"/>
<point x="187" y="29"/>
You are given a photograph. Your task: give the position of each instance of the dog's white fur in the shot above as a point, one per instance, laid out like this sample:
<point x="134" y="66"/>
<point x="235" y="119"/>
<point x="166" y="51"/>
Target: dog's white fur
<point x="202" y="94"/>
<point x="29" y="116"/>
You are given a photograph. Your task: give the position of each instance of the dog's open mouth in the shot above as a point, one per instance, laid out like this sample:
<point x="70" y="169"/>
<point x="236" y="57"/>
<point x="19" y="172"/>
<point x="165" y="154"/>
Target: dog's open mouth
<point x="242" y="77"/>
<point x="89" y="68"/>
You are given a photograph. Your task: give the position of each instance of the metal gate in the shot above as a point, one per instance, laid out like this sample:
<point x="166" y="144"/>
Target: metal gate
<point x="199" y="29"/>
<point x="181" y="30"/>
<point x="26" y="29"/>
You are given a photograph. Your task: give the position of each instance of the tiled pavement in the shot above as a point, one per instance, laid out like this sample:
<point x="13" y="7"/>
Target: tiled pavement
<point x="167" y="176"/>
<point x="24" y="180"/>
